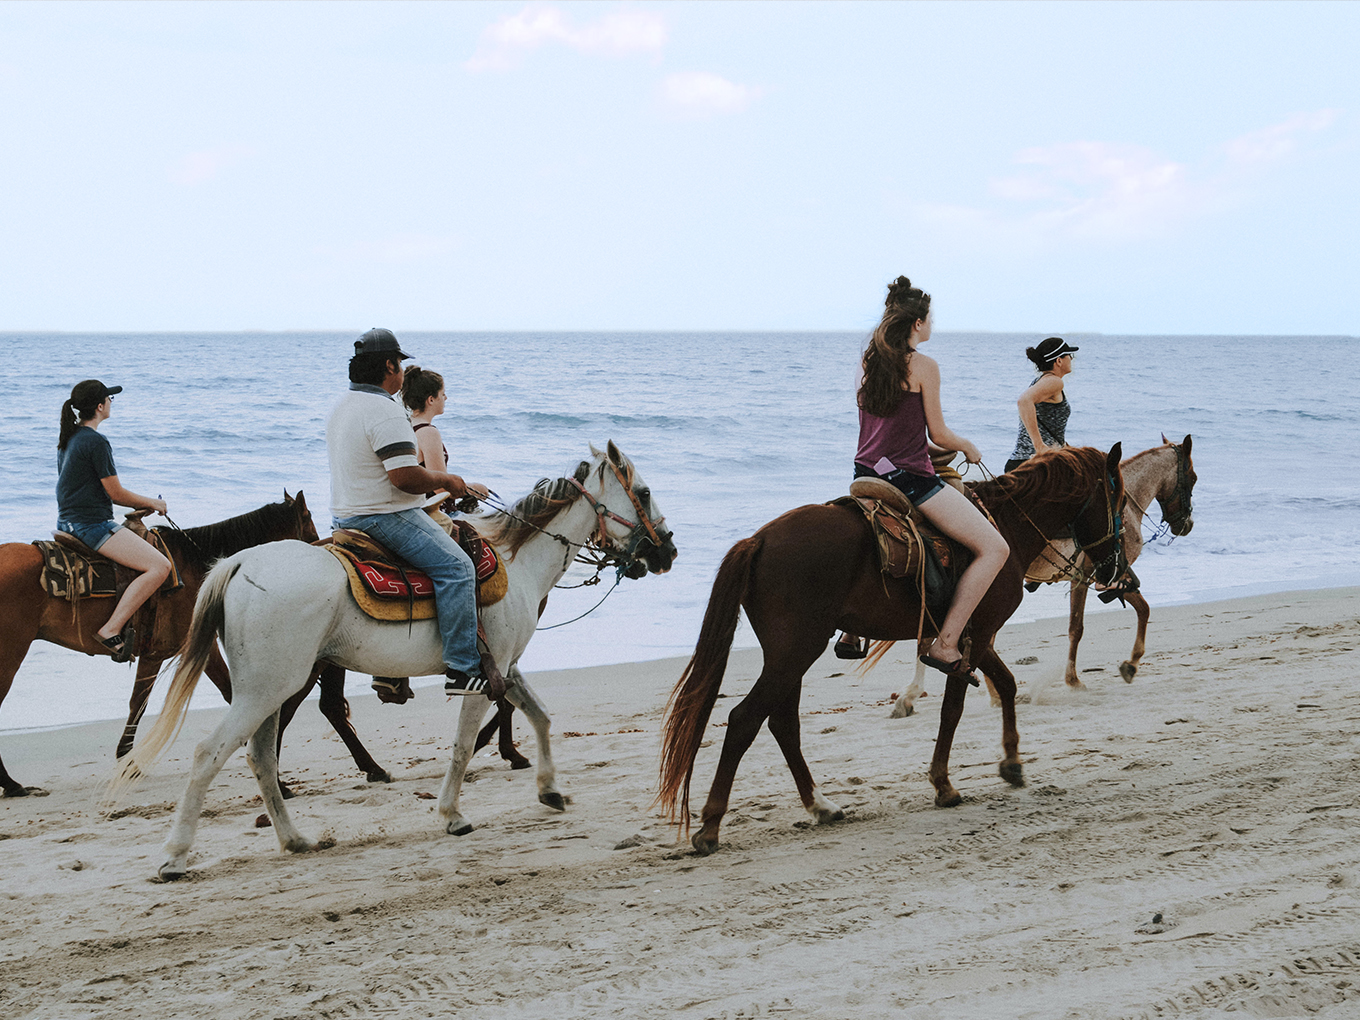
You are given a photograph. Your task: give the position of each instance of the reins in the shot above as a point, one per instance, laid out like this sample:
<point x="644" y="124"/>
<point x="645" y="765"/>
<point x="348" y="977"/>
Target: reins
<point x="1069" y="569"/>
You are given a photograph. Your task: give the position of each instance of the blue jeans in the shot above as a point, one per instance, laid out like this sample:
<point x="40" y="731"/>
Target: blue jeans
<point x="93" y="535"/>
<point x="415" y="537"/>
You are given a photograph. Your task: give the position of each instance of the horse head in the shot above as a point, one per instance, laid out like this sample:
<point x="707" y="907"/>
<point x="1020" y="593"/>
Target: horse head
<point x="639" y="539"/>
<point x="1176" y="507"/>
<point x="304" y="526"/>
<point x="1098" y="528"/>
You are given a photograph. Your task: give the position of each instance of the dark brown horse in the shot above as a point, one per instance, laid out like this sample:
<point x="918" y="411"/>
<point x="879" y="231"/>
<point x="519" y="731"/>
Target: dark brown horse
<point x="27" y="613"/>
<point x="815" y="570"/>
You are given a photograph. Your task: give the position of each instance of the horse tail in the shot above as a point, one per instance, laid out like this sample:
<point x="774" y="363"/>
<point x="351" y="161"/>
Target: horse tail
<point x="692" y="701"/>
<point x="209" y="617"/>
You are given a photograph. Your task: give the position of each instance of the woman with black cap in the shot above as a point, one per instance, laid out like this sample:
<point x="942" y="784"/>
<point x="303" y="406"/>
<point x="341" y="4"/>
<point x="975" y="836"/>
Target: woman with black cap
<point x="87" y="488"/>
<point x="1044" y="407"/>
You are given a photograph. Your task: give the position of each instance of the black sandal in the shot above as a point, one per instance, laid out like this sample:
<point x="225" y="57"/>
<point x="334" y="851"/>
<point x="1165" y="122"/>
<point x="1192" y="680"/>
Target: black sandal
<point x="954" y="668"/>
<point x="121" y="645"/>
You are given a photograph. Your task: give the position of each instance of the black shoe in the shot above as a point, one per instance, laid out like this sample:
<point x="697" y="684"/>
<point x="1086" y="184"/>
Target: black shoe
<point x="458" y="682"/>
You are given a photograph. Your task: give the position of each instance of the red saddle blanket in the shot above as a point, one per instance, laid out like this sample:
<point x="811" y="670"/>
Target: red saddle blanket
<point x="384" y="576"/>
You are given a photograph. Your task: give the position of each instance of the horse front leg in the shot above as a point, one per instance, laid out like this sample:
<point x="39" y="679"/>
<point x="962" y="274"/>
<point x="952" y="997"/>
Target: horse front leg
<point x="783" y="724"/>
<point x="262" y="754"/>
<point x="241" y="721"/>
<point x="1129" y="669"/>
<point x="951" y="710"/>
<point x="1076" y="627"/>
<point x="147" y="670"/>
<point x="527" y="699"/>
<point x="1012" y="770"/>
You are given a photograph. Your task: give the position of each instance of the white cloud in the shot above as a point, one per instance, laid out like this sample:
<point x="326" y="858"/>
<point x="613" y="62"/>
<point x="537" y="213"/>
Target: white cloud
<point x="395" y="248"/>
<point x="205" y="164"/>
<point x="1278" y="140"/>
<point x="702" y="94"/>
<point x="505" y="43"/>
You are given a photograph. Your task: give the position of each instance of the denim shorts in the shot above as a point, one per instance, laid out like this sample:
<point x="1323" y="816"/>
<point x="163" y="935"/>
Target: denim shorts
<point x="93" y="535"/>
<point x="917" y="488"/>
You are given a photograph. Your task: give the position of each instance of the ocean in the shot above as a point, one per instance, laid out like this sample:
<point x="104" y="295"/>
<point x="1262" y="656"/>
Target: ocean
<point x="729" y="430"/>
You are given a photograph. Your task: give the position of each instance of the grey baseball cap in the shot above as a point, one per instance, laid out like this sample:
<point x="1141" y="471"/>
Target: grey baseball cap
<point x="377" y="340"/>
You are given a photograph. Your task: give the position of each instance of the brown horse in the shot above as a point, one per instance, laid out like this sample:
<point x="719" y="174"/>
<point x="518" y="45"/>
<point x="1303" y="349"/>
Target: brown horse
<point x="27" y="613"/>
<point x="815" y="570"/>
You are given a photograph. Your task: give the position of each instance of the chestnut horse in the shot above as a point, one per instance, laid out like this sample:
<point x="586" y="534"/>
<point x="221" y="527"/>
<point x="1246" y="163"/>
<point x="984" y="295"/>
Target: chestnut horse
<point x="815" y="570"/>
<point x="28" y="613"/>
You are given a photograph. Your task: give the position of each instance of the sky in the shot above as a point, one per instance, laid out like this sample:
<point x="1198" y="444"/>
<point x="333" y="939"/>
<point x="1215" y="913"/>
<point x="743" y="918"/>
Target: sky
<point x="1125" y="168"/>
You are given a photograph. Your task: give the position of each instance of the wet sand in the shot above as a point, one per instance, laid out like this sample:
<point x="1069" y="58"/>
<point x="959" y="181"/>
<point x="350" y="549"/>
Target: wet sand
<point x="1186" y="847"/>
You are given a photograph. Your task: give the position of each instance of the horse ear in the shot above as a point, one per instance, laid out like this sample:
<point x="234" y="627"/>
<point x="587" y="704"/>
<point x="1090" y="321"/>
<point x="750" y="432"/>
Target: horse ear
<point x="1186" y="445"/>
<point x="286" y="498"/>
<point x="614" y="455"/>
<point x="301" y="500"/>
<point x="1165" y="441"/>
<point x="1112" y="460"/>
<point x="594" y="452"/>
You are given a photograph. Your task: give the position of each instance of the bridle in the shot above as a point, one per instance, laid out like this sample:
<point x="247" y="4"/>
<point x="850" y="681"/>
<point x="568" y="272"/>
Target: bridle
<point x="1114" y="529"/>
<point x="642" y="528"/>
<point x="1177" y="510"/>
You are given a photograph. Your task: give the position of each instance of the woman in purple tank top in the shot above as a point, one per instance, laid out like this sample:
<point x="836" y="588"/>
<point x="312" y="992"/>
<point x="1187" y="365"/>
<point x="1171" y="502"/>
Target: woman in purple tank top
<point x="900" y="424"/>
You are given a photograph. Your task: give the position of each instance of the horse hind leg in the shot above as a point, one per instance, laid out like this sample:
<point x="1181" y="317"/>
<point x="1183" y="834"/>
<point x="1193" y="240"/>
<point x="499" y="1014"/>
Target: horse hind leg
<point x="905" y="704"/>
<point x="783" y="724"/>
<point x="1012" y="769"/>
<point x="1129" y="669"/>
<point x="242" y="720"/>
<point x="776" y="690"/>
<point x="12" y="652"/>
<point x="147" y="670"/>
<point x="262" y="754"/>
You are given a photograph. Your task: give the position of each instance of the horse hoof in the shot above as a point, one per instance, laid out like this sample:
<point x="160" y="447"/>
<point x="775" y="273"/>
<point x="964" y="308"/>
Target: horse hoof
<point x="171" y="872"/>
<point x="948" y="798"/>
<point x="1128" y="671"/>
<point x="459" y="830"/>
<point x="705" y="845"/>
<point x="380" y="776"/>
<point x="286" y="791"/>
<point x="1013" y="773"/>
<point x="520" y="762"/>
<point x="827" y="817"/>
<point x="554" y="800"/>
<point x="19" y="791"/>
<point x="302" y="846"/>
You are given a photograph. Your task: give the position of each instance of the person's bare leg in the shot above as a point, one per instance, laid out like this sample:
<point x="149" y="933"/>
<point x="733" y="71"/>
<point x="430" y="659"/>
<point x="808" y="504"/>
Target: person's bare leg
<point x="126" y="548"/>
<point x="955" y="515"/>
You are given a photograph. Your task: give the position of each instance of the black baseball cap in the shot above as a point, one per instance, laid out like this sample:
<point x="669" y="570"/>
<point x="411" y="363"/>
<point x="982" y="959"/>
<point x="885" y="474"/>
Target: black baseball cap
<point x="378" y="340"/>
<point x="92" y="392"/>
<point x="1054" y="348"/>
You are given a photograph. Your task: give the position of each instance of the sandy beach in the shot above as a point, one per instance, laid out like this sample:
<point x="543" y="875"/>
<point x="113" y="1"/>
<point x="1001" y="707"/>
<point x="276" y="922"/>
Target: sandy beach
<point x="1185" y="848"/>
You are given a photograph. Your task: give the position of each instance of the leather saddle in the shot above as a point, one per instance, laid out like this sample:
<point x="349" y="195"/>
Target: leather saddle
<point x="386" y="587"/>
<point x="908" y="545"/>
<point x="73" y="571"/>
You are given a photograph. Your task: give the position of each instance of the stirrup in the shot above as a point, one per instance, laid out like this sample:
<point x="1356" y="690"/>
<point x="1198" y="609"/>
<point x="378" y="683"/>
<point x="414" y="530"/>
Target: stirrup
<point x="856" y="647"/>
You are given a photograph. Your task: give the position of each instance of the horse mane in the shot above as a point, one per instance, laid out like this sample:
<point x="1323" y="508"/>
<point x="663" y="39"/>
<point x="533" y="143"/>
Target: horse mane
<point x="511" y="529"/>
<point x="205" y="545"/>
<point x="1049" y="477"/>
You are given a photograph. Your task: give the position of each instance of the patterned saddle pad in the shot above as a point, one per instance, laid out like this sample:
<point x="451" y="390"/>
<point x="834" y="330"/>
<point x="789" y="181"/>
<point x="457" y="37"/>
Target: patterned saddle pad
<point x="72" y="570"/>
<point x="386" y="588"/>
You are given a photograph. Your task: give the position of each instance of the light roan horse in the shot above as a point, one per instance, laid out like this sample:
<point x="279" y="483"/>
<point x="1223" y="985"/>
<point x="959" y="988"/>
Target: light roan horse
<point x="28" y="613"/>
<point x="815" y="570"/>
<point x="1163" y="473"/>
<point x="282" y="607"/>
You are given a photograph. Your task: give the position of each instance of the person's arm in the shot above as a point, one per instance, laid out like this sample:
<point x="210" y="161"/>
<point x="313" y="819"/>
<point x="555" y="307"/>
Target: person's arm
<point x="418" y="481"/>
<point x="925" y="373"/>
<point x="1044" y="388"/>
<point x="125" y="497"/>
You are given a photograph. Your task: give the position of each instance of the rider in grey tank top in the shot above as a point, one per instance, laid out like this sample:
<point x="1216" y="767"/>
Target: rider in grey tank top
<point x="1043" y="407"/>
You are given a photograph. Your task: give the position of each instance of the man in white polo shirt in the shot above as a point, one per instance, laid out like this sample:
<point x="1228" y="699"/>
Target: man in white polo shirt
<point x="378" y="487"/>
